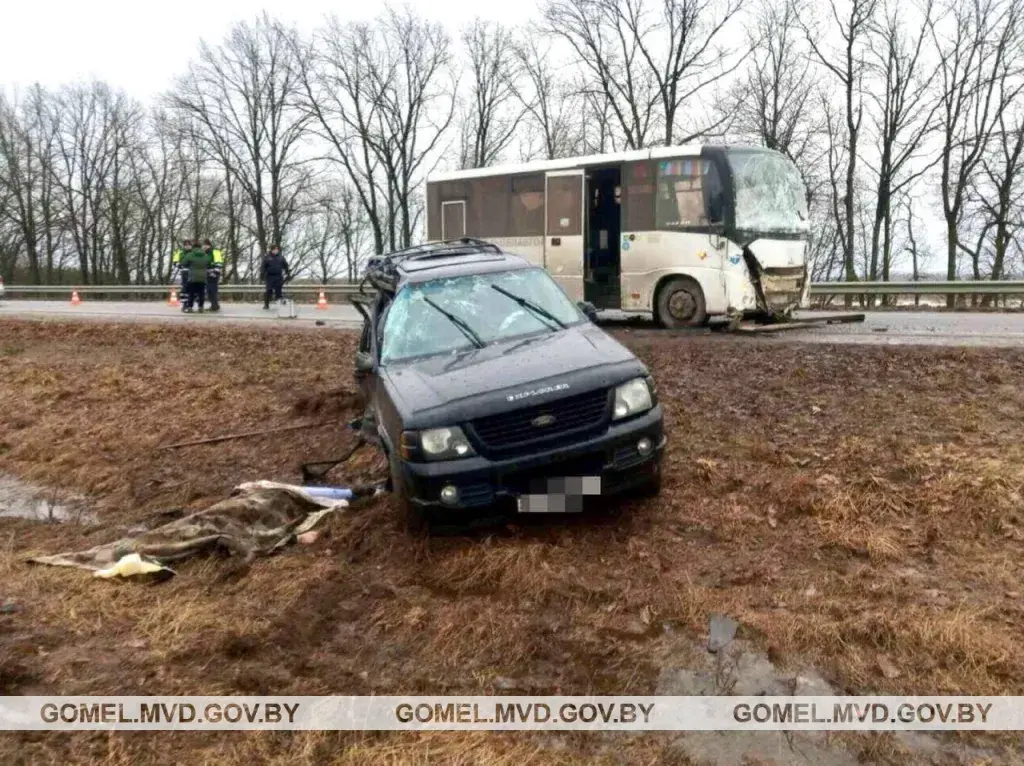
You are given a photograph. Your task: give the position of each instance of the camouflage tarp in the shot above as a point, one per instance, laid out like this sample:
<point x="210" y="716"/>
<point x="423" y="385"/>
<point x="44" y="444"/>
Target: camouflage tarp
<point x="255" y="520"/>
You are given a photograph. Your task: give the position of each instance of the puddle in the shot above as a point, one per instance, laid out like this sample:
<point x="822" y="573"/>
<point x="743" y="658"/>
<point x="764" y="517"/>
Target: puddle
<point x="25" y="501"/>
<point x="728" y="666"/>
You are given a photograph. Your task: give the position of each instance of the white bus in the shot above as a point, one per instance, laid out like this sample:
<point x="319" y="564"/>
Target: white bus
<point x="683" y="233"/>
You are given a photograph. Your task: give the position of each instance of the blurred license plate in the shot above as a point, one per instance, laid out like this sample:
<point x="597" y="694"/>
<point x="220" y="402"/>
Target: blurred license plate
<point x="562" y="496"/>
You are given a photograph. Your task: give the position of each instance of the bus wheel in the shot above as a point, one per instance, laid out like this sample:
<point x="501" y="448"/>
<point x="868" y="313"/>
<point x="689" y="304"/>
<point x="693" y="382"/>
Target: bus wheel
<point x="681" y="304"/>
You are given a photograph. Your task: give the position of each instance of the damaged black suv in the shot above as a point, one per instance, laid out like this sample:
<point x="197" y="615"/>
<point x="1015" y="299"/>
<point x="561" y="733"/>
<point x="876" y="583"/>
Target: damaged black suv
<point x="485" y="384"/>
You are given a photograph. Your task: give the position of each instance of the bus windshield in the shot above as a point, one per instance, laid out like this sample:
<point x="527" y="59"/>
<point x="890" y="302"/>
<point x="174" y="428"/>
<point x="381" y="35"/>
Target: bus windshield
<point x="769" y="192"/>
<point x="460" y="313"/>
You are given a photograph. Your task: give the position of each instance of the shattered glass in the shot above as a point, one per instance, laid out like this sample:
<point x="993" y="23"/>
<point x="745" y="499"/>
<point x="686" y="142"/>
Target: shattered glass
<point x="769" y="192"/>
<point x="414" y="328"/>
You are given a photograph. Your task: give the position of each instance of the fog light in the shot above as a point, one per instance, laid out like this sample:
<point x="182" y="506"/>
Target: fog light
<point x="644" y="446"/>
<point x="449" y="494"/>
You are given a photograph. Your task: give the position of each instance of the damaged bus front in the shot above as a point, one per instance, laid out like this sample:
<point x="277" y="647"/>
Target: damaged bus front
<point x="683" y="233"/>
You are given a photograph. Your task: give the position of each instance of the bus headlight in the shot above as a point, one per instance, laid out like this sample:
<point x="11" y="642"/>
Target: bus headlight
<point x="632" y="398"/>
<point x="445" y="444"/>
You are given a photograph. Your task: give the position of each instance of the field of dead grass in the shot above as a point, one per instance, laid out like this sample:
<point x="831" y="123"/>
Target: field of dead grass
<point x="857" y="509"/>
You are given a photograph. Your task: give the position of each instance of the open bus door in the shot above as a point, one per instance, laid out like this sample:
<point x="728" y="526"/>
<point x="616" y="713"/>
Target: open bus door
<point x="564" y="202"/>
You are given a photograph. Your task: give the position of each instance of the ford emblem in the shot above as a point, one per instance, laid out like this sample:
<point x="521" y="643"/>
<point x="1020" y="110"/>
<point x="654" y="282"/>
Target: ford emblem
<point x="543" y="421"/>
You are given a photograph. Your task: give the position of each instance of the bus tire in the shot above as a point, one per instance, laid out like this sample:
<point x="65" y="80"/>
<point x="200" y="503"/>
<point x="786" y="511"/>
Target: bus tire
<point x="680" y="303"/>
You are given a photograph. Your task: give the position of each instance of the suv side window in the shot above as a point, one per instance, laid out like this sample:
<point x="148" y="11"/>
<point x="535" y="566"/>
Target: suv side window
<point x="382" y="316"/>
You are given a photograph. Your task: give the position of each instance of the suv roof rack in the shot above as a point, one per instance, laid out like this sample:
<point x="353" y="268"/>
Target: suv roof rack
<point x="382" y="270"/>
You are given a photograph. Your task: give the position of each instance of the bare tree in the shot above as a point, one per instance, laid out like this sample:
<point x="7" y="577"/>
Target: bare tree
<point x="1004" y="174"/>
<point x="27" y="150"/>
<point x="774" y="99"/>
<point x="551" y="104"/>
<point x="979" y="47"/>
<point x="492" y="112"/>
<point x="242" y="96"/>
<point x="903" y="117"/>
<point x="648" y="64"/>
<point x="847" y="65"/>
<point x="382" y="97"/>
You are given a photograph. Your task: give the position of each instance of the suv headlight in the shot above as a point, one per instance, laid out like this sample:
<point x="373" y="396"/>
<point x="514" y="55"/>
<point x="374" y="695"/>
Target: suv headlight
<point x="445" y="444"/>
<point x="632" y="398"/>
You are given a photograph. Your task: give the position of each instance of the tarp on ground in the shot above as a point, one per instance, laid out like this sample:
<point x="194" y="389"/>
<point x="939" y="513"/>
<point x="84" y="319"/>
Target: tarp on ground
<point x="256" y="519"/>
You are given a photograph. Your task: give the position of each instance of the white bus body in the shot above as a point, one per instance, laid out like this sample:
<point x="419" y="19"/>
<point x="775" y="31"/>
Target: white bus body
<point x="684" y="233"/>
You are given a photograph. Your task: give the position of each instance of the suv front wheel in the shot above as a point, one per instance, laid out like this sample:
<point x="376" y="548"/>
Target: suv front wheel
<point x="414" y="517"/>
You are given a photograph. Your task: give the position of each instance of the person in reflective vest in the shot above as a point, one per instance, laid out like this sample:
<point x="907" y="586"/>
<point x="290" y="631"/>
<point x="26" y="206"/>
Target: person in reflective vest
<point x="213" y="274"/>
<point x="182" y="273"/>
<point x="197" y="261"/>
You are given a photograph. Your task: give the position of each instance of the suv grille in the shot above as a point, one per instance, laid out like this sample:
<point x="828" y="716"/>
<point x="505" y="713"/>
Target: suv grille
<point x="571" y="416"/>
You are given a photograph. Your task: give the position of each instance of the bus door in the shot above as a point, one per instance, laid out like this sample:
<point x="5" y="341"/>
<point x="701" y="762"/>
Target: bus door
<point x="563" y="244"/>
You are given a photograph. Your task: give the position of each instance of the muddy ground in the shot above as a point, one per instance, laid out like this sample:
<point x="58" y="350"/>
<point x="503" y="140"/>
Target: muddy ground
<point x="857" y="509"/>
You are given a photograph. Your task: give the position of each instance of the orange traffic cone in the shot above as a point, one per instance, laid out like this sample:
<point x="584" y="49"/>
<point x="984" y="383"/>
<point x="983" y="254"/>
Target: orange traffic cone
<point x="75" y="300"/>
<point x="173" y="300"/>
<point x="321" y="302"/>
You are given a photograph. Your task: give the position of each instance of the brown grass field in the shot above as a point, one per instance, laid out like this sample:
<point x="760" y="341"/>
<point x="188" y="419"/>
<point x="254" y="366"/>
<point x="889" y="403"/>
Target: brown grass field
<point x="856" y="509"/>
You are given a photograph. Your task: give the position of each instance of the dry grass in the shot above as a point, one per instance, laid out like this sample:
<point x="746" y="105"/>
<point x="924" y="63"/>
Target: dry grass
<point x="844" y="504"/>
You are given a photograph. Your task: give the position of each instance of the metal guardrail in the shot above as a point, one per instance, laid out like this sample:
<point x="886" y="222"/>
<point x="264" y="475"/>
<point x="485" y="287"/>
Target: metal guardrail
<point x="973" y="287"/>
<point x="818" y="289"/>
<point x="234" y="289"/>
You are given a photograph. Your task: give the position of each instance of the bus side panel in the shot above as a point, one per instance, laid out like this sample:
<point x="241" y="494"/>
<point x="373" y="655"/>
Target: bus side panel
<point x="650" y="256"/>
<point x="530" y="248"/>
<point x="433" y="212"/>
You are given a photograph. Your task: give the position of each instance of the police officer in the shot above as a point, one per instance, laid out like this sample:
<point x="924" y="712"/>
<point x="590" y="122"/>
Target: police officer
<point x="213" y="274"/>
<point x="181" y="271"/>
<point x="274" y="272"/>
<point x="197" y="261"/>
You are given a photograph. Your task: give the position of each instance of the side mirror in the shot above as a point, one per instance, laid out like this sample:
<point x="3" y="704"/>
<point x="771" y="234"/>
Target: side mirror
<point x="717" y="227"/>
<point x="364" y="362"/>
<point x="589" y="309"/>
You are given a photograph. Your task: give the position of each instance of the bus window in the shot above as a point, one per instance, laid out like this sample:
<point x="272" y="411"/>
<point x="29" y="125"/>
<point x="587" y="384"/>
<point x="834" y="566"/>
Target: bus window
<point x="714" y="191"/>
<point x="453" y="219"/>
<point x="488" y="207"/>
<point x="564" y="206"/>
<point x="526" y="206"/>
<point x="680" y="200"/>
<point x="638" y="195"/>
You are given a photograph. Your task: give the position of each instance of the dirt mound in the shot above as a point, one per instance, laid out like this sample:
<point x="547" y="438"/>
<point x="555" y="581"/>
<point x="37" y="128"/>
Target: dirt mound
<point x="336" y="402"/>
<point x="856" y="509"/>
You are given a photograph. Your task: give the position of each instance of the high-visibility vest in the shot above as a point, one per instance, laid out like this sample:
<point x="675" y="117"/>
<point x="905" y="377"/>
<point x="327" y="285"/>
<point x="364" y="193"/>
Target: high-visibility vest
<point x="176" y="257"/>
<point x="218" y="257"/>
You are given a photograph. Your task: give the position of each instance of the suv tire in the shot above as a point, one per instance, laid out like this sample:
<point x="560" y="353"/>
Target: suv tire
<point x="413" y="516"/>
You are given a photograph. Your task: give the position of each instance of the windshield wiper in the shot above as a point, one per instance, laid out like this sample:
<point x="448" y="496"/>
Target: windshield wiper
<point x="468" y="331"/>
<point x="526" y="304"/>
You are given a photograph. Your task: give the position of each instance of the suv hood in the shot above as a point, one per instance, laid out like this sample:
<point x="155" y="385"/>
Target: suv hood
<point x="505" y="376"/>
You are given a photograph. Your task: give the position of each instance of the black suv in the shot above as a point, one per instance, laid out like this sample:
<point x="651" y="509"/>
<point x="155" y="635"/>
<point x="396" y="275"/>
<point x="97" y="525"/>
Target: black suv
<point x="486" y="384"/>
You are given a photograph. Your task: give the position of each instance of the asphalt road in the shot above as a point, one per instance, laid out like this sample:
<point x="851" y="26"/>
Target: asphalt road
<point x="879" y="327"/>
<point x="335" y="315"/>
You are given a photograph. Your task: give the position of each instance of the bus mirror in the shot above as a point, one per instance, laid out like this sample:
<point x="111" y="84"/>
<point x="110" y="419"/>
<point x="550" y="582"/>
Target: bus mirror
<point x="589" y="309"/>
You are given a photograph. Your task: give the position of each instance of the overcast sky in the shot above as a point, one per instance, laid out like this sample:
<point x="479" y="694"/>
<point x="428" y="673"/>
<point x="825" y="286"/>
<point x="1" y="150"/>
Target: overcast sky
<point x="141" y="46"/>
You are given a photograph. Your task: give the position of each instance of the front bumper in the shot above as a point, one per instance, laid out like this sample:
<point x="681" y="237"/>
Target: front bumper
<point x="482" y="481"/>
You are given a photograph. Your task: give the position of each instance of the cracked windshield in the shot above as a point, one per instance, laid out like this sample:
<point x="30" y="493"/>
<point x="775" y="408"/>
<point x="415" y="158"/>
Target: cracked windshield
<point x="447" y="315"/>
<point x="769" y="192"/>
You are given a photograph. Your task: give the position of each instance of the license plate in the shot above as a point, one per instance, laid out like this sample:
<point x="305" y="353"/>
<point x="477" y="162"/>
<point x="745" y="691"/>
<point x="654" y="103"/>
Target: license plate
<point x="562" y="496"/>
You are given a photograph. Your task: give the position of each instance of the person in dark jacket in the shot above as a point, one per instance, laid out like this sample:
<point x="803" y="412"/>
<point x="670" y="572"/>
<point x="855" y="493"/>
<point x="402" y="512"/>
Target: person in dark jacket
<point x="213" y="274"/>
<point x="197" y="261"/>
<point x="274" y="272"/>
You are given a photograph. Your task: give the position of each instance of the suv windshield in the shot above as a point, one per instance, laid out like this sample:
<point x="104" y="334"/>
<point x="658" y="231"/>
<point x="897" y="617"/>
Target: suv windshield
<point x="415" y="327"/>
<point x="769" y="192"/>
